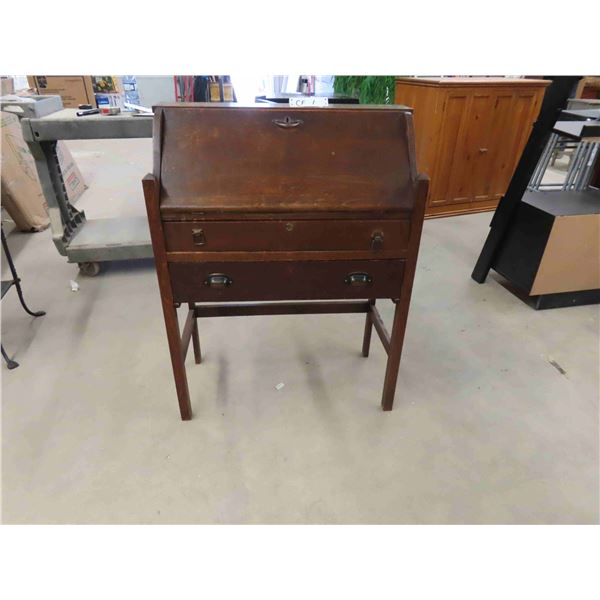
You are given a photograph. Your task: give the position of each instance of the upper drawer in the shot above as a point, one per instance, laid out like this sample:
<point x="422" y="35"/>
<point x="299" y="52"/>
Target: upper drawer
<point x="382" y="237"/>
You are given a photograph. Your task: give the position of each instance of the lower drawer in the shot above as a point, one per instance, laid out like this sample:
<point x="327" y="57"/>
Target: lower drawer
<point x="286" y="280"/>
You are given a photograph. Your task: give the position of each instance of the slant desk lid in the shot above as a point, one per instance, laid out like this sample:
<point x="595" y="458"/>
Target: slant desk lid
<point x="235" y="158"/>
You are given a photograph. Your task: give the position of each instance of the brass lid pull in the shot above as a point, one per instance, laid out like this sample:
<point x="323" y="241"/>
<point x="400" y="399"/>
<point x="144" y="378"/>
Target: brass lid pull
<point x="198" y="237"/>
<point x="218" y="280"/>
<point x="377" y="240"/>
<point x="287" y="122"/>
<point x="358" y="279"/>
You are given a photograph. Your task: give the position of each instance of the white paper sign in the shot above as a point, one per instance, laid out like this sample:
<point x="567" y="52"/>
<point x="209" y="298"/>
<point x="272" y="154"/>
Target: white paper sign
<point x="309" y="101"/>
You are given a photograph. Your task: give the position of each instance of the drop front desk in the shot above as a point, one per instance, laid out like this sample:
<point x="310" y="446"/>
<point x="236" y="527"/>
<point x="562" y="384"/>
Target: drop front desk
<point x="261" y="209"/>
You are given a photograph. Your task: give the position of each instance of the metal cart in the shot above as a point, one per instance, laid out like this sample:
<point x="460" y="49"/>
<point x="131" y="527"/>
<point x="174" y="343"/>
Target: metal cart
<point x="583" y="152"/>
<point x="86" y="242"/>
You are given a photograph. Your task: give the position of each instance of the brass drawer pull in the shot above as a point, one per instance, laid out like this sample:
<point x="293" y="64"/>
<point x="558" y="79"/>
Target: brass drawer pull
<point x="198" y="237"/>
<point x="218" y="280"/>
<point x="358" y="279"/>
<point x="377" y="240"/>
<point x="287" y="122"/>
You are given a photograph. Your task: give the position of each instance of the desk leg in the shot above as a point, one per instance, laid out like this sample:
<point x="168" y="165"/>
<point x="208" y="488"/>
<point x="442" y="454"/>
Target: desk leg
<point x="196" y="342"/>
<point x="174" y="339"/>
<point x="195" y="336"/>
<point x="393" y="362"/>
<point x="151" y="194"/>
<point x="368" y="329"/>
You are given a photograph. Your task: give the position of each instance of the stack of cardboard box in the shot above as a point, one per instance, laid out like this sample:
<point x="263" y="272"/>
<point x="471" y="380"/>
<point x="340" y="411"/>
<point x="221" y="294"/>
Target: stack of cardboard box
<point x="73" y="89"/>
<point x="97" y="90"/>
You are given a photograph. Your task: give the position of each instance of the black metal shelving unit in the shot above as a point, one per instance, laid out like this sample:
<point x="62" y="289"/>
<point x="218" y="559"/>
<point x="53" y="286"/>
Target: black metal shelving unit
<point x="7" y="284"/>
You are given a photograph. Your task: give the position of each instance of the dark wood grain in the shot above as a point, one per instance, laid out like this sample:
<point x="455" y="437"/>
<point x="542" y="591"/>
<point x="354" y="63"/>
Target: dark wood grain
<point x="246" y="215"/>
<point x="368" y="330"/>
<point x="380" y="328"/>
<point x="342" y="159"/>
<point x="280" y="308"/>
<point x="320" y="208"/>
<point x="186" y="332"/>
<point x="196" y="337"/>
<point x="305" y="255"/>
<point x="151" y="197"/>
<point x="289" y="235"/>
<point x="314" y="280"/>
<point x="403" y="304"/>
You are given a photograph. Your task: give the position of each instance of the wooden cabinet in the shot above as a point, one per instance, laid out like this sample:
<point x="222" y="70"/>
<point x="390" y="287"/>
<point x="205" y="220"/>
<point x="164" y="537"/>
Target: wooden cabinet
<point x="470" y="133"/>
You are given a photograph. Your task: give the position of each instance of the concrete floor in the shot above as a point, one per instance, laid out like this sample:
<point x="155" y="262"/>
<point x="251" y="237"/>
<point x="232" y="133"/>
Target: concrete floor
<point x="485" y="429"/>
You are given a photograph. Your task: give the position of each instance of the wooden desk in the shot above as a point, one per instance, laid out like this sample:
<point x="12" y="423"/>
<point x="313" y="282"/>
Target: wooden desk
<point x="266" y="203"/>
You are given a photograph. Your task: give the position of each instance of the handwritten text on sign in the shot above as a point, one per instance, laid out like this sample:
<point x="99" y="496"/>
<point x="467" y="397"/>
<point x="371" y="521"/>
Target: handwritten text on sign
<point x="309" y="101"/>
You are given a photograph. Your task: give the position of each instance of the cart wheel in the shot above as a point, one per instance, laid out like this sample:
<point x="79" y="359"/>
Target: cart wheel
<point x="89" y="269"/>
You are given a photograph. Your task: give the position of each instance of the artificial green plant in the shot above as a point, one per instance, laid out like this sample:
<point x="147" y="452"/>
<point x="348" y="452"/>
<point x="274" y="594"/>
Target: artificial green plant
<point x="370" y="89"/>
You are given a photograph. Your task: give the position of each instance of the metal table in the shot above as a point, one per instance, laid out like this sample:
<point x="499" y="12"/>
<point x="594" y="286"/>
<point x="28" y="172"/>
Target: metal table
<point x="86" y="242"/>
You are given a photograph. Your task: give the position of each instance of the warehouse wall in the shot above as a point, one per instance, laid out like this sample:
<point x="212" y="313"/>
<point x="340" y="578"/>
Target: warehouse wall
<point x="155" y="89"/>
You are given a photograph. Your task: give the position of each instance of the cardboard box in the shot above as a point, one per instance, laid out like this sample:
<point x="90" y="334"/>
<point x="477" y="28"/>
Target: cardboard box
<point x="21" y="192"/>
<point x="73" y="89"/>
<point x="111" y="100"/>
<point x="107" y="84"/>
<point x="71" y="174"/>
<point x="7" y="86"/>
<point x="22" y="195"/>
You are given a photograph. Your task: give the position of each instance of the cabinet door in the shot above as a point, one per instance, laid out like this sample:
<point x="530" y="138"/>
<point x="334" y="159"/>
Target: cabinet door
<point x="483" y="135"/>
<point x="447" y="182"/>
<point x="480" y="144"/>
<point x="467" y="137"/>
<point x="496" y="173"/>
<point x="514" y="114"/>
<point x="525" y="109"/>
